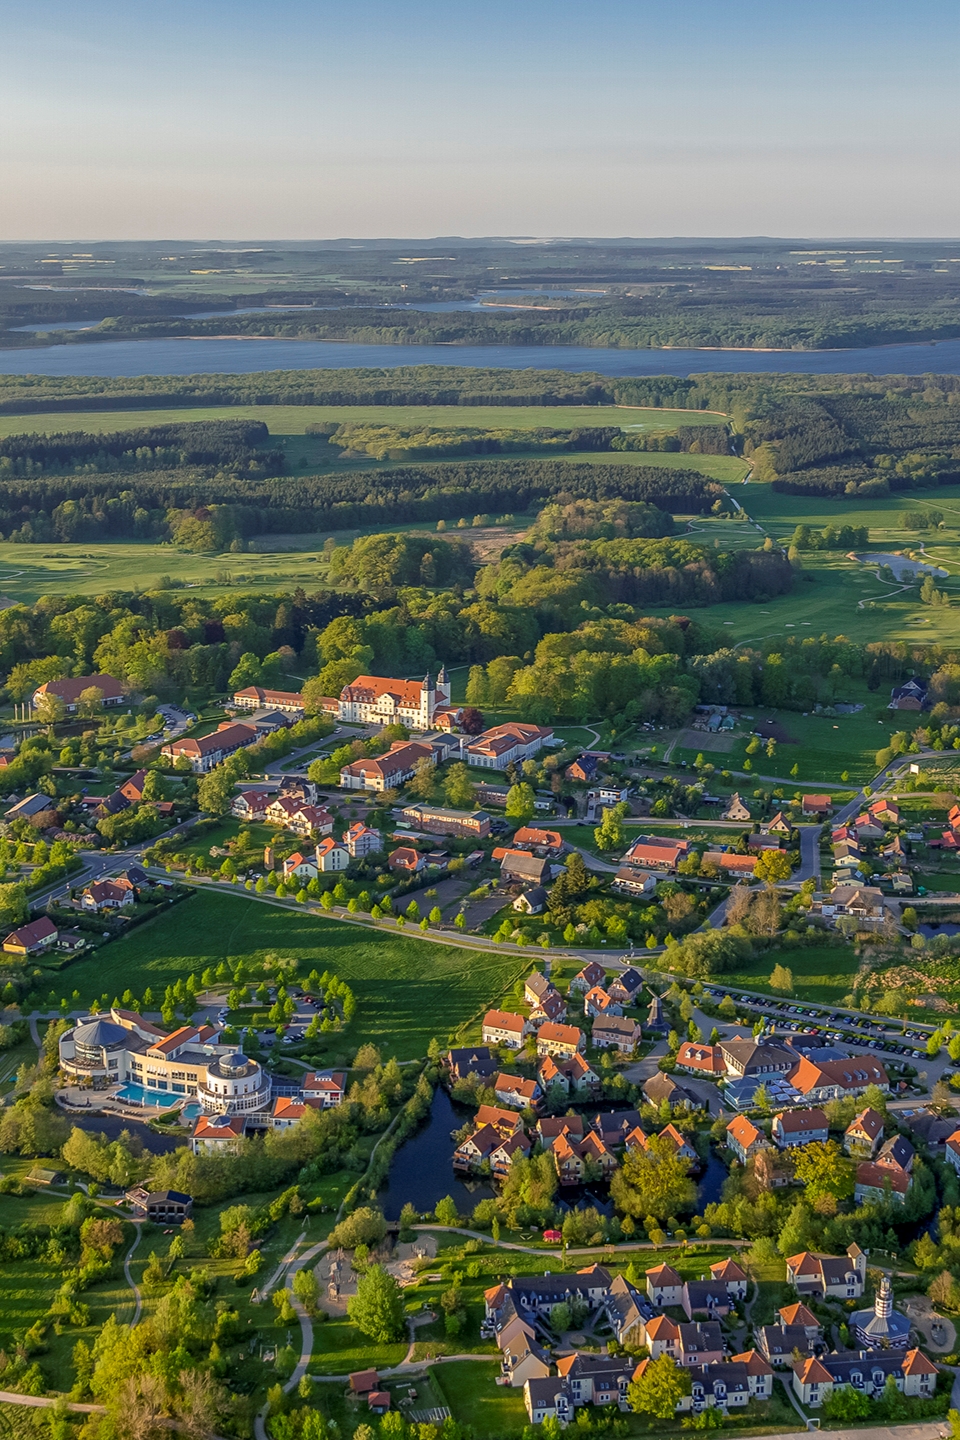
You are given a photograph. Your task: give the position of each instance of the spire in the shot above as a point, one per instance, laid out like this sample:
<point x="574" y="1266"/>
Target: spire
<point x="427" y="682"/>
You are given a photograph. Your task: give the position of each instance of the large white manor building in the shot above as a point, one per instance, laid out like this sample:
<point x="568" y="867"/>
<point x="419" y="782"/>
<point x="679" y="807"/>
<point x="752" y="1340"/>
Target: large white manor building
<point x="418" y="704"/>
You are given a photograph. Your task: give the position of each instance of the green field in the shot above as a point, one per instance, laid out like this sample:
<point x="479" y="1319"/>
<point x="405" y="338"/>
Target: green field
<point x="292" y="419"/>
<point x="822" y="974"/>
<point x="823" y="747"/>
<point x="407" y="990"/>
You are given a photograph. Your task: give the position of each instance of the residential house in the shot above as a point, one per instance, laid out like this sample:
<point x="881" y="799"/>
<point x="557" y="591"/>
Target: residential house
<point x="598" y="1002"/>
<point x="614" y="1126"/>
<point x="361" y="841"/>
<point x="310" y="820"/>
<point x="664" y="1287"/>
<point x="631" y="881"/>
<point x="69" y="691"/>
<point x="596" y="1379"/>
<point x="660" y="1086"/>
<point x="550" y="1126"/>
<point x="325" y="1089"/>
<point x="671" y="1137"/>
<point x="516" y="1092"/>
<point x="951" y="1151"/>
<point x="505" y="1122"/>
<point x="728" y="862"/>
<point x="471" y="1060"/>
<point x="281" y="809"/>
<point x="819" y="1081"/>
<point x="866" y="828"/>
<point x="619" y="1032"/>
<point x="886" y="811"/>
<point x="300" y="867"/>
<point x="162" y="1207"/>
<point x="626" y="987"/>
<point x="520" y="867"/>
<point x="116" y="894"/>
<point x="500" y="1027"/>
<point x="496" y="748"/>
<point x="744" y="1138"/>
<point x="330" y="856"/>
<point x="755" y="1059"/>
<point x="881" y="1182"/>
<point x="701" y="1059"/>
<point x="542" y="842"/>
<point x="531" y="902"/>
<point x="864" y="1134"/>
<point x="30" y="939"/>
<point x="477" y="1149"/>
<point x="786" y="1340"/>
<point x="386" y="772"/>
<point x="772" y="1169"/>
<point x="897" y="1153"/>
<point x="779" y="825"/>
<point x="434" y="820"/>
<point x="207" y="751"/>
<point x="572" y="1075"/>
<point x="255" y="697"/>
<point x="819" y="805"/>
<point x="585" y="768"/>
<point x="817" y="1276"/>
<point x="554" y="1039"/>
<point x="657" y="852"/>
<point x="705" y="1297"/>
<point x="218" y="1134"/>
<point x="31" y="805"/>
<point x="251" y="805"/>
<point x="912" y="695"/>
<point x="814" y="1380"/>
<point x="863" y="902"/>
<point x="503" y="1156"/>
<point x="535" y="987"/>
<point x="406" y="860"/>
<point x="763" y="841"/>
<point x="551" y="1007"/>
<point x="592" y="974"/>
<point x="799" y="1127"/>
<point x="735" y="810"/>
<point x="730" y="1273"/>
<point x="546" y="1398"/>
<point x="575" y="1158"/>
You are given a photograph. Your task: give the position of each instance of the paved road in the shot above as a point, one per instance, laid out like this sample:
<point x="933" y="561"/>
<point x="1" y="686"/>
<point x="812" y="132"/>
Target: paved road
<point x="128" y="1275"/>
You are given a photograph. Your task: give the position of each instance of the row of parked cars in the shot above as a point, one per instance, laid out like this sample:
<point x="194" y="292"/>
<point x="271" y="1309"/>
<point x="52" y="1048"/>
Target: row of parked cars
<point x="854" y="1029"/>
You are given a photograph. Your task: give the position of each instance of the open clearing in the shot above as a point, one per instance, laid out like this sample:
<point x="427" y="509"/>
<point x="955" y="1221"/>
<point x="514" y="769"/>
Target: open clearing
<point x="292" y="419"/>
<point x="407" y="990"/>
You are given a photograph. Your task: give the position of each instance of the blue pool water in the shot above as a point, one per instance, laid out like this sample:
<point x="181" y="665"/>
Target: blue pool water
<point x="136" y="1095"/>
<point x="191" y="1111"/>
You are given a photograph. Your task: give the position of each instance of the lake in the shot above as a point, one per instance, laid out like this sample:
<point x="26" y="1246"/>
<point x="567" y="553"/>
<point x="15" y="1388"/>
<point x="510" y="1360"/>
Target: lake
<point x="231" y="356"/>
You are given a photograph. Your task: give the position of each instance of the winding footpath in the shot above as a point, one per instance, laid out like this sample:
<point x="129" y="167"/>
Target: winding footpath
<point x="128" y="1275"/>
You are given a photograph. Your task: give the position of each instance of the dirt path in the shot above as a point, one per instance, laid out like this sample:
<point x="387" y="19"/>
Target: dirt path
<point x="128" y="1275"/>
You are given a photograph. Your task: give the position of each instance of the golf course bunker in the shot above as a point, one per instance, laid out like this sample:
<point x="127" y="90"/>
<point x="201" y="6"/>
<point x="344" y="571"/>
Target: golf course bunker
<point x="903" y="568"/>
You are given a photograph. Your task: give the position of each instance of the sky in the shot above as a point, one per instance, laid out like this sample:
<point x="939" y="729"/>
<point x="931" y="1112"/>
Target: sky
<point x="319" y="119"/>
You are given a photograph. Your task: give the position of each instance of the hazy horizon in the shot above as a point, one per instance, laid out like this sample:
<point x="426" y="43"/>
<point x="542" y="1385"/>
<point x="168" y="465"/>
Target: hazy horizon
<point x="308" y="119"/>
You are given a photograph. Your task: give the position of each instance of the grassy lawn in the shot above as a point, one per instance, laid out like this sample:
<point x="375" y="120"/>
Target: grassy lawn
<point x="821" y="973"/>
<point x="822" y="747"/>
<point x="475" y="1399"/>
<point x="292" y="419"/>
<point x="339" y="1347"/>
<point x="407" y="990"/>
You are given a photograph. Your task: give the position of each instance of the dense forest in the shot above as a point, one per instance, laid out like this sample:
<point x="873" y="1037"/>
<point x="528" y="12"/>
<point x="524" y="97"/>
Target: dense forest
<point x="162" y="504"/>
<point x="234" y="445"/>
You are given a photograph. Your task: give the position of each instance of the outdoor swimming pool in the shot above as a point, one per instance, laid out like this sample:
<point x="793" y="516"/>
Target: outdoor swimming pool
<point x="137" y="1095"/>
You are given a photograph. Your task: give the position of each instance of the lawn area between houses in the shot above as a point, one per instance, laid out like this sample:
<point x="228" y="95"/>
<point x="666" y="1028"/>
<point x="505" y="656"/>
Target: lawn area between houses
<point x="408" y="990"/>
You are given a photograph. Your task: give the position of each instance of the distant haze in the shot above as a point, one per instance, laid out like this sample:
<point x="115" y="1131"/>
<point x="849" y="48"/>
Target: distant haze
<point x="323" y="118"/>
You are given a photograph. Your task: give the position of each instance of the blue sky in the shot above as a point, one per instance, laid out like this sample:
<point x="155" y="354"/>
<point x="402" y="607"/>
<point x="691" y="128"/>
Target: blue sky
<point x="311" y="119"/>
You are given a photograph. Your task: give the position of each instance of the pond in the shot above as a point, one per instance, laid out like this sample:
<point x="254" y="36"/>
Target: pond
<point x="231" y="356"/>
<point x="422" y="1171"/>
<point x="113" y="1125"/>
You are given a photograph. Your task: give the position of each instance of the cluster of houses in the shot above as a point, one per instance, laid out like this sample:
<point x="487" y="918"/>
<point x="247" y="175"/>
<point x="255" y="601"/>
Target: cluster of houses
<point x="800" y="1071"/>
<point x="518" y="1316"/>
<point x="868" y="835"/>
<point x="884" y="1168"/>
